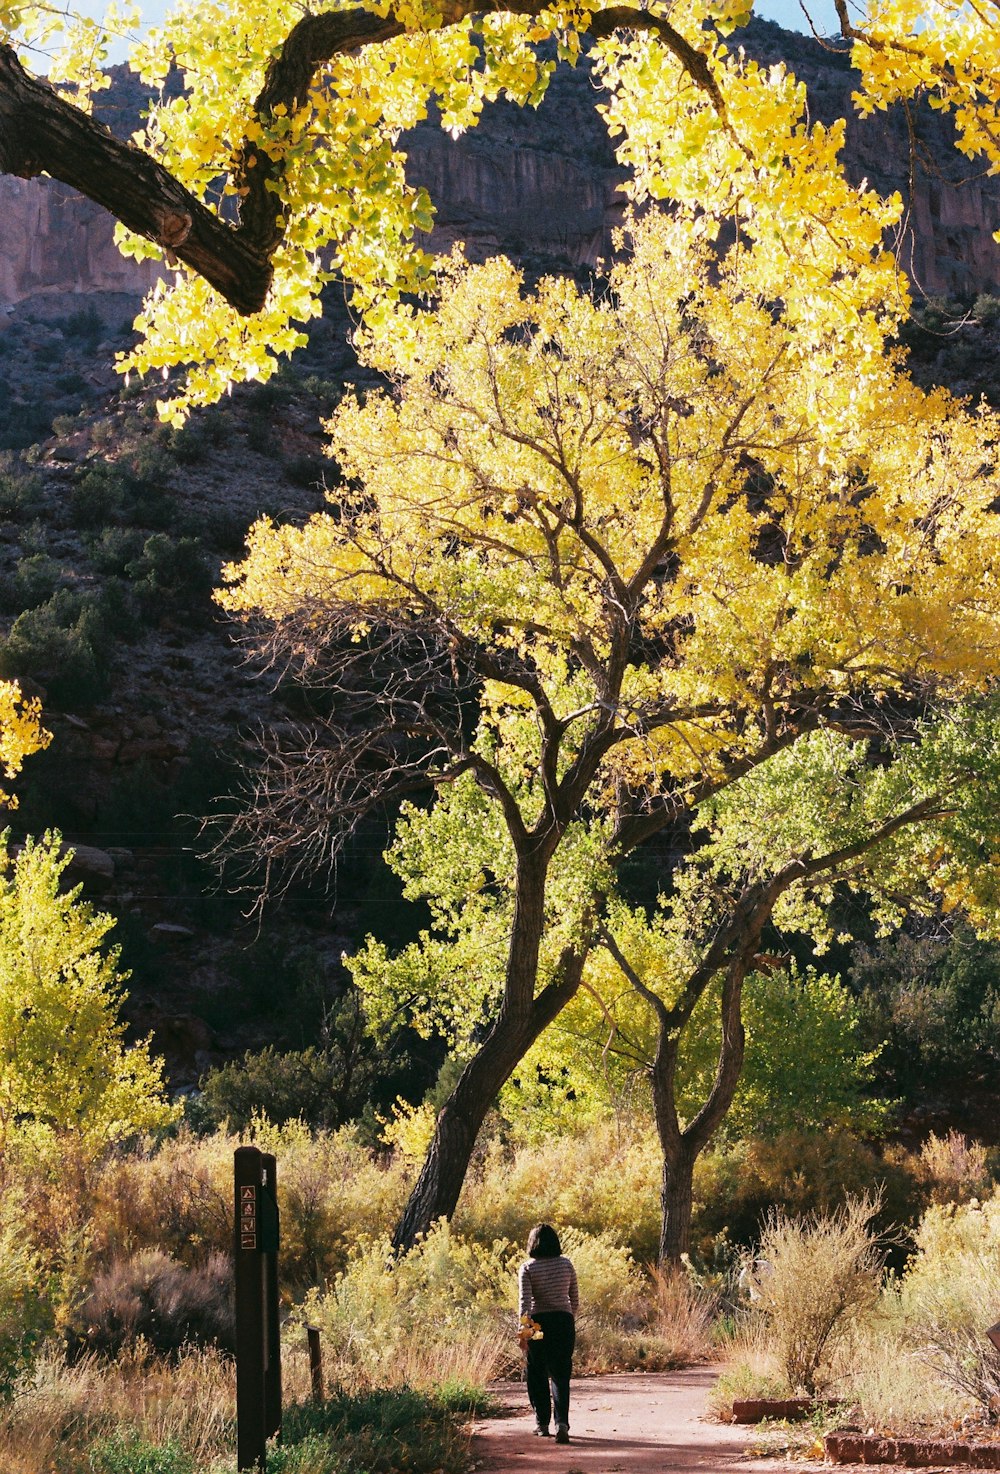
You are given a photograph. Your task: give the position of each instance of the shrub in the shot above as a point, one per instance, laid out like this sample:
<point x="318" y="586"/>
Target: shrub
<point x="24" y="1313"/>
<point x="378" y="1432"/>
<point x="62" y="644"/>
<point x="20" y="489"/>
<point x="801" y="1173"/>
<point x="953" y="1169"/>
<point x="58" y="1410"/>
<point x="130" y="1453"/>
<point x="333" y="1192"/>
<point x="814" y="1278"/>
<point x="302" y="1084"/>
<point x="154" y="1300"/>
<point x="85" y="323"/>
<point x="601" y="1181"/>
<point x="171" y="572"/>
<point x="385" y="1317"/>
<point x="114" y="549"/>
<point x="99" y="496"/>
<point x="952" y="1291"/>
<point x="34" y="581"/>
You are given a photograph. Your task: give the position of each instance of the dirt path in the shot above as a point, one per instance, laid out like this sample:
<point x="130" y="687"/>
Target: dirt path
<point x="648" y="1424"/>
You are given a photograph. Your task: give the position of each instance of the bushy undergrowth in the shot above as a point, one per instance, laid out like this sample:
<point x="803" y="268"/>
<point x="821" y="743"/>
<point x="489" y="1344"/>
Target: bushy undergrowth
<point x="951" y="1294"/>
<point x="814" y="1278"/>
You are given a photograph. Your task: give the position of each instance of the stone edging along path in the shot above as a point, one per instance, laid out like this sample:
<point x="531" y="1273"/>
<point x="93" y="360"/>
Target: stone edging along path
<point x="912" y="1453"/>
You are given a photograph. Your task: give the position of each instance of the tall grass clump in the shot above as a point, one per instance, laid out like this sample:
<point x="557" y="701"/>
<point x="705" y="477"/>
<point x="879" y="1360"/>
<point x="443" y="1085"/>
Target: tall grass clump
<point x="815" y="1278"/>
<point x="951" y="1295"/>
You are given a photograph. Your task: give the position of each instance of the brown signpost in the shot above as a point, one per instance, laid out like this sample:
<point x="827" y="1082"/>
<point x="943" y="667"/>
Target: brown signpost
<point x="258" y="1347"/>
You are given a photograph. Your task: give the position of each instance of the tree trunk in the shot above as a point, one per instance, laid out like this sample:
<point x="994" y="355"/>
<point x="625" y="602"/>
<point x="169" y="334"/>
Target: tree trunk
<point x="521" y="1019"/>
<point x="676" y="1203"/>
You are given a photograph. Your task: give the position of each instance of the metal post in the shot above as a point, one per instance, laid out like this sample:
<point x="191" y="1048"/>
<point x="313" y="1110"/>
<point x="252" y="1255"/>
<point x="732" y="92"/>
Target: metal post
<point x="315" y="1362"/>
<point x="258" y="1348"/>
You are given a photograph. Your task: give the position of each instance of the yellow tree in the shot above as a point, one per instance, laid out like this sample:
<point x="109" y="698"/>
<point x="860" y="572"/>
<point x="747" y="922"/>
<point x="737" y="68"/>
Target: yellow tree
<point x="279" y="164"/>
<point x="68" y="1077"/>
<point x="597" y="560"/>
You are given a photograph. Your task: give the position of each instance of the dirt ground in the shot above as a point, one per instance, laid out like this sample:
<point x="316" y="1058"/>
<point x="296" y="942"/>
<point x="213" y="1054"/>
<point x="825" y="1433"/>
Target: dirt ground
<point x="631" y="1424"/>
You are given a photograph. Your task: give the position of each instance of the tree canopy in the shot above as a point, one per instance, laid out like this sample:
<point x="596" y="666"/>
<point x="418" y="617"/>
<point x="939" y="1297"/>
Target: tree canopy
<point x="278" y="165"/>
<point x="596" y="561"/>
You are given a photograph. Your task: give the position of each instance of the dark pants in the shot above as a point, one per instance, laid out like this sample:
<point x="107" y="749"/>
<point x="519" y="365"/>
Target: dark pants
<point x="550" y="1361"/>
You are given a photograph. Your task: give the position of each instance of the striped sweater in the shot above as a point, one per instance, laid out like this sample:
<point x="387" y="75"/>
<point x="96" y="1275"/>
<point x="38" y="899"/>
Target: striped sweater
<point x="547" y="1284"/>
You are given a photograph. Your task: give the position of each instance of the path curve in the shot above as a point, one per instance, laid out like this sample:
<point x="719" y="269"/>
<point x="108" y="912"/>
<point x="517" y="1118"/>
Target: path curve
<point x="631" y="1424"/>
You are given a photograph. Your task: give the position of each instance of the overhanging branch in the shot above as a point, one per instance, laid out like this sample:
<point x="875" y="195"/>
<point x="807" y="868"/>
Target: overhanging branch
<point x="43" y="133"/>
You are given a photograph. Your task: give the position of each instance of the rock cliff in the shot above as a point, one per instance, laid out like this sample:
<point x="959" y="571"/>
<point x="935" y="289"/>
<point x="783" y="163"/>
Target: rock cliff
<point x="545" y="184"/>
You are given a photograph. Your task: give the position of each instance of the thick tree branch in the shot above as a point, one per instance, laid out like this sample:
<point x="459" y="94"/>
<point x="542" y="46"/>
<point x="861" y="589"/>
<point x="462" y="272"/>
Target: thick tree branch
<point x="42" y="133"/>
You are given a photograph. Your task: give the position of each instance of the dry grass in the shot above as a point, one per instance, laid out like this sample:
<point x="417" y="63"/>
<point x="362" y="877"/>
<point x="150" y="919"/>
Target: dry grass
<point x="668" y="1323"/>
<point x="817" y="1277"/>
<point x="55" y="1406"/>
<point x="879" y="1374"/>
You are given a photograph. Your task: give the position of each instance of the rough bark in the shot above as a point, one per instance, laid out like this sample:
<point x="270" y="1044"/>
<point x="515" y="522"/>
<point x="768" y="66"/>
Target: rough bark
<point x="42" y="133"/>
<point x="441" y="1178"/>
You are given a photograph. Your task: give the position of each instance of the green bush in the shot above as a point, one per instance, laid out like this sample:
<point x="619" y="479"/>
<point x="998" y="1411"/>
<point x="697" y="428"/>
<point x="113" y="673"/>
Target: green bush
<point x="130" y="1453"/>
<point x="99" y="497"/>
<point x="62" y="644"/>
<point x="171" y="573"/>
<point x="799" y="1172"/>
<point x="36" y="579"/>
<point x="303" y="1084"/>
<point x="603" y="1181"/>
<point x="114" y="549"/>
<point x="378" y="1432"/>
<point x="25" y="1315"/>
<point x="20" y="489"/>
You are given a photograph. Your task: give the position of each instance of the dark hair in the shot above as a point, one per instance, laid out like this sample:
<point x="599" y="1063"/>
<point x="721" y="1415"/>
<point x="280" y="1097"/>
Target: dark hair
<point x="543" y="1242"/>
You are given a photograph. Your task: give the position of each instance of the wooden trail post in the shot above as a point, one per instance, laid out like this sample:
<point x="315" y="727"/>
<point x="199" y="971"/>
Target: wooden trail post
<point x="258" y="1347"/>
<point x="315" y="1362"/>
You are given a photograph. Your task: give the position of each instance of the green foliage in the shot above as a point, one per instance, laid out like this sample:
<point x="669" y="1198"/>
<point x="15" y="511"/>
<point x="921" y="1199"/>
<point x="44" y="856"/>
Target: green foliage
<point x="172" y="573"/>
<point x="20" y="489"/>
<point x="798" y="1172"/>
<point x="805" y="1066"/>
<point x="100" y="496"/>
<point x="375" y="1432"/>
<point x="63" y="645"/>
<point x="34" y="581"/>
<point x="115" y="549"/>
<point x="131" y="1453"/>
<point x="934" y="1000"/>
<point x="312" y="1085"/>
<point x="25" y="1308"/>
<point x="66" y="1074"/>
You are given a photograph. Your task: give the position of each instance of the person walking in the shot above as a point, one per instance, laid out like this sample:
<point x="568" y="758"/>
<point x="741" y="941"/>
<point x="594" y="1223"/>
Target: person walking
<point x="548" y="1296"/>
